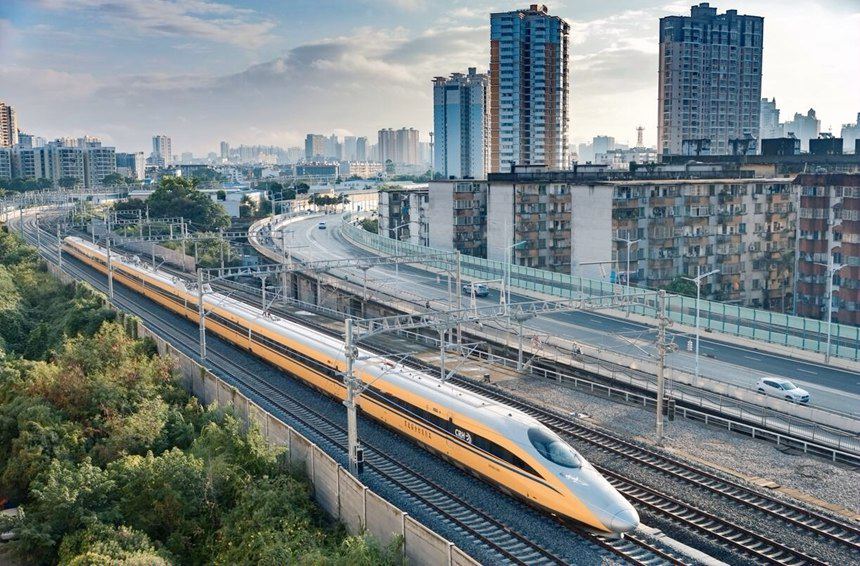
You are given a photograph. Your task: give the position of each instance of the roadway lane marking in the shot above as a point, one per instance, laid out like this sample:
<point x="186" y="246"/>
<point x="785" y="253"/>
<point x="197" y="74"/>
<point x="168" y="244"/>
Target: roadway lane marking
<point x="807" y="371"/>
<point x="753" y="358"/>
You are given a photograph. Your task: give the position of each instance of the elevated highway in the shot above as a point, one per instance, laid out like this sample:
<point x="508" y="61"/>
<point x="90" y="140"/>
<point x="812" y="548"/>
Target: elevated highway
<point x="832" y="387"/>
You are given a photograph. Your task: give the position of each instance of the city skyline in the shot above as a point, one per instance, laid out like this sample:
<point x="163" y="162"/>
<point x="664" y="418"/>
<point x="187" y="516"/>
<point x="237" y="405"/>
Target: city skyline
<point x="261" y="76"/>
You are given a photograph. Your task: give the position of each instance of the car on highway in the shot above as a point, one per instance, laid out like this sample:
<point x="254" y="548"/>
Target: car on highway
<point x="783" y="388"/>
<point x="321" y="225"/>
<point x="480" y="289"/>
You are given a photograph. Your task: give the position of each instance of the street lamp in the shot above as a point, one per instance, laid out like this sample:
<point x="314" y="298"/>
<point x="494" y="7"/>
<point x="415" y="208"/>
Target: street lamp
<point x="397" y="252"/>
<point x="629" y="243"/>
<point x="832" y="269"/>
<point x="509" y="253"/>
<point x="698" y="281"/>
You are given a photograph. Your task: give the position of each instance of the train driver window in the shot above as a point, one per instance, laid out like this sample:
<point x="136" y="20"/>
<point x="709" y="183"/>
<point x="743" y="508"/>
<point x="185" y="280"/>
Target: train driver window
<point x="553" y="448"/>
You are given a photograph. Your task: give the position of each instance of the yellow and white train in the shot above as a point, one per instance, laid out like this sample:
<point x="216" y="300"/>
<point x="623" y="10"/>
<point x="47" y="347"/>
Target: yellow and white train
<point x="498" y="443"/>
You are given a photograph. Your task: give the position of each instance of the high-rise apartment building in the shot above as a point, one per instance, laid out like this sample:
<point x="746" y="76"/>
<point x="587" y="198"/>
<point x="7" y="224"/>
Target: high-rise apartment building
<point x="315" y="146"/>
<point x="804" y="127"/>
<point x="709" y="87"/>
<point x="5" y="163"/>
<point x="851" y="134"/>
<point x="769" y="126"/>
<point x="131" y="165"/>
<point x="460" y="125"/>
<point x="528" y="89"/>
<point x="398" y="146"/>
<point x="225" y="151"/>
<point x="362" y="152"/>
<point x="348" y="148"/>
<point x="162" y="150"/>
<point x="8" y="126"/>
<point x="99" y="162"/>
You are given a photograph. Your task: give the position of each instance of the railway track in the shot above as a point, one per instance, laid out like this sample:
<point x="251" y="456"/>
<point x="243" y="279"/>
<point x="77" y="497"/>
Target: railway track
<point x="841" y="533"/>
<point x="478" y="525"/>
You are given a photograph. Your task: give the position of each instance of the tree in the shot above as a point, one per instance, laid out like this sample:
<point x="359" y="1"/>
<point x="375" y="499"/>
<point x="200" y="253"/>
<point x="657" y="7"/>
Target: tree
<point x="681" y="286"/>
<point x="178" y="196"/>
<point x="370" y="224"/>
<point x="68" y="182"/>
<point x="302" y="188"/>
<point x="113" y="179"/>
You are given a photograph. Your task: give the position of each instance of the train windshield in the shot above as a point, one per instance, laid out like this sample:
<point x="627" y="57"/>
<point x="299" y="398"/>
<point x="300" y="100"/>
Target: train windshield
<point x="553" y="448"/>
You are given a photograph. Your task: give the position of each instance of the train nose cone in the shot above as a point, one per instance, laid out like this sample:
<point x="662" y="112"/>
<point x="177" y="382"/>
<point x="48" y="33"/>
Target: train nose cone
<point x="624" y="521"/>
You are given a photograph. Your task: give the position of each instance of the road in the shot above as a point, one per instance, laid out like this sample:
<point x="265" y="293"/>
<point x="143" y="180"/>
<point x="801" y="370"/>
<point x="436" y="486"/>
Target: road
<point x="830" y="387"/>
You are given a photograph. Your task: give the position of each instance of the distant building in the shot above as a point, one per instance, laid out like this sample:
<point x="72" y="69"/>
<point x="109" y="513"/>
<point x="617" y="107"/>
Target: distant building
<point x="460" y="125"/>
<point x="780" y="146"/>
<point x="828" y="233"/>
<point x="8" y="126"/>
<point x="162" y="151"/>
<point x="319" y="171"/>
<point x="186" y="157"/>
<point x="528" y="89"/>
<point x="27" y="141"/>
<point x="398" y="146"/>
<point x="362" y="152"/>
<point x="563" y="223"/>
<point x="315" y="146"/>
<point x="851" y="134"/>
<point x="56" y="160"/>
<point x="620" y="159"/>
<point x="363" y="169"/>
<point x="225" y="151"/>
<point x="403" y="214"/>
<point x="99" y="162"/>
<point x="602" y="144"/>
<point x="131" y="165"/>
<point x="803" y="127"/>
<point x="709" y="79"/>
<point x="826" y="145"/>
<point x="348" y="150"/>
<point x="5" y="163"/>
<point x="769" y="126"/>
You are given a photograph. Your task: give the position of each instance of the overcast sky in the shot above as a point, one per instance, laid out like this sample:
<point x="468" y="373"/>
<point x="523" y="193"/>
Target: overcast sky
<point x="264" y="72"/>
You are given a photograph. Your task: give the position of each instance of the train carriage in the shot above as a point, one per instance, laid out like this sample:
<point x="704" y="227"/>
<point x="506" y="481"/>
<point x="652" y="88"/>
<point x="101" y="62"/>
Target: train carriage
<point x="498" y="443"/>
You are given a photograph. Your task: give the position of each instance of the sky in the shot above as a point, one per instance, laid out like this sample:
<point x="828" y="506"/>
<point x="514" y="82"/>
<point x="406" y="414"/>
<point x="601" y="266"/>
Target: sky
<point x="263" y="72"/>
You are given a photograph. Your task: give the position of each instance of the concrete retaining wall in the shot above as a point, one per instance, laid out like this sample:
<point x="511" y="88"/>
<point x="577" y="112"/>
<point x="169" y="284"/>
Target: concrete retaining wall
<point x="337" y="491"/>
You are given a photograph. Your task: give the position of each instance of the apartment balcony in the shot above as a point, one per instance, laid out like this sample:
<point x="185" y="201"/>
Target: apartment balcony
<point x="729" y="238"/>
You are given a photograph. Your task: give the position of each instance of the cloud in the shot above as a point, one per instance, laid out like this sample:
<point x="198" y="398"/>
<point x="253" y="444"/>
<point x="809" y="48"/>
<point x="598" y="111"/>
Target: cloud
<point x="195" y="19"/>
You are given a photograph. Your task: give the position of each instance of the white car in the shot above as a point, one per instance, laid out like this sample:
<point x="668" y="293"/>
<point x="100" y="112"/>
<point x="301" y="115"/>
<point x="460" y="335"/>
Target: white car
<point x="321" y="225"/>
<point x="784" y="389"/>
<point x="479" y="289"/>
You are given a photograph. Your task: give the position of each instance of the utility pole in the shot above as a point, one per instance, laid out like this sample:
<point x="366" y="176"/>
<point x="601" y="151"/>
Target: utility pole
<point x="459" y="301"/>
<point x="38" y="234"/>
<point x="110" y="269"/>
<point x="662" y="323"/>
<point x="831" y="270"/>
<point x="629" y="243"/>
<point x="356" y="458"/>
<point x="182" y="226"/>
<point x="59" y="248"/>
<point x="21" y="220"/>
<point x="263" y="293"/>
<point x="221" y="245"/>
<point x="698" y="281"/>
<point x="202" y="315"/>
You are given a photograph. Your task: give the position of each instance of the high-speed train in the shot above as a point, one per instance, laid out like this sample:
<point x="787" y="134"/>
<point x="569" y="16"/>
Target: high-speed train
<point x="498" y="443"/>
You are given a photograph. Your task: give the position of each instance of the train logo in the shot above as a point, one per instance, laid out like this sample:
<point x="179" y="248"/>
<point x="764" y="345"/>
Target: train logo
<point x="463" y="435"/>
